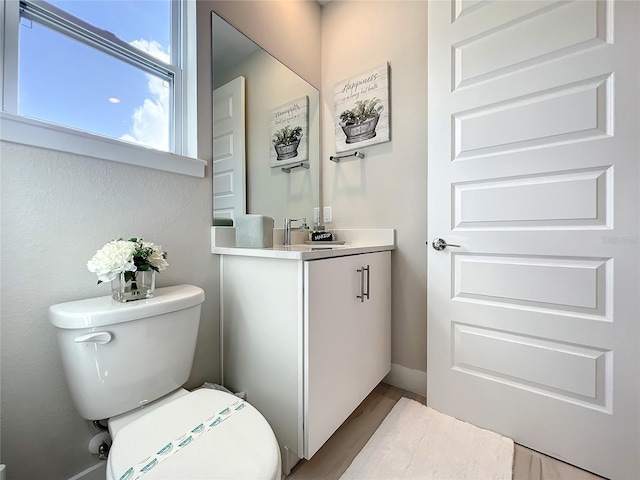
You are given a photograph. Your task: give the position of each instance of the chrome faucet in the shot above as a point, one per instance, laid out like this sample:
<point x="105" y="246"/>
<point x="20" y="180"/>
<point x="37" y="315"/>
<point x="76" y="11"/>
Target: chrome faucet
<point x="287" y="228"/>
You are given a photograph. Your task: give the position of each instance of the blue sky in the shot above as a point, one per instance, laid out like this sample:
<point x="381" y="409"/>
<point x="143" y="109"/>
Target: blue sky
<point x="66" y="82"/>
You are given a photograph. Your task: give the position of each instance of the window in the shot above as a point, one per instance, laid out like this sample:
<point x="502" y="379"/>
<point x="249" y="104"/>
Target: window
<point x="102" y="72"/>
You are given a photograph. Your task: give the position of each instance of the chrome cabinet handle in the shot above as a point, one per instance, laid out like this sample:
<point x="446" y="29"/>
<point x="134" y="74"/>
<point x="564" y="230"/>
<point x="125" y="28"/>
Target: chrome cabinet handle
<point x="439" y="244"/>
<point x="368" y="269"/>
<point x="364" y="294"/>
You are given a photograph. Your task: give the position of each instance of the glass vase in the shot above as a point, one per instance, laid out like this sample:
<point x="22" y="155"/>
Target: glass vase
<point x="140" y="286"/>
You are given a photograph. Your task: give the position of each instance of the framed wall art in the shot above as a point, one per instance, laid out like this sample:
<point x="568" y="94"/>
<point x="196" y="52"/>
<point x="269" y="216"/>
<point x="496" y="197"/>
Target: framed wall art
<point x="362" y="109"/>
<point x="289" y="133"/>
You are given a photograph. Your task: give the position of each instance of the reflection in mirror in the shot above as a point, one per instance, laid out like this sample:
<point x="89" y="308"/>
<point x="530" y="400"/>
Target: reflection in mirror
<point x="239" y="64"/>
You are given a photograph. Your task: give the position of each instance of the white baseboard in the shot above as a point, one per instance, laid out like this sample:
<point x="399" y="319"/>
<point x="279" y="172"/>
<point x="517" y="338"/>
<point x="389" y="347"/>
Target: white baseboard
<point x="96" y="472"/>
<point x="407" y="378"/>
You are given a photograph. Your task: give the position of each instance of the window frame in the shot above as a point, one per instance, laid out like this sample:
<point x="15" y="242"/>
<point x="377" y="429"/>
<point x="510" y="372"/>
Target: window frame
<point x="39" y="133"/>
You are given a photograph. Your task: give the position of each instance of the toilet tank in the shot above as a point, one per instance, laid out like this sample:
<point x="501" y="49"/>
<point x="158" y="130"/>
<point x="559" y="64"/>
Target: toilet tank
<point x="120" y="356"/>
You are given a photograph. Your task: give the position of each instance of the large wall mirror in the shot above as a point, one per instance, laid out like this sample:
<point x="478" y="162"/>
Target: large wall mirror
<point x="268" y="90"/>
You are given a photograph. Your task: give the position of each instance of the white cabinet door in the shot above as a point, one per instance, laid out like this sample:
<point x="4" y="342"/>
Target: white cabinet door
<point x="347" y="340"/>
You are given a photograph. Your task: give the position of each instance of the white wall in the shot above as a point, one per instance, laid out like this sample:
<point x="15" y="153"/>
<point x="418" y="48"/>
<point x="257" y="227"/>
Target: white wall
<point x="388" y="188"/>
<point x="57" y="210"/>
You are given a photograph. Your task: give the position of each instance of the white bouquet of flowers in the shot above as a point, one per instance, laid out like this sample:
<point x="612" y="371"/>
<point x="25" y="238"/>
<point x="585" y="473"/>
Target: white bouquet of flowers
<point x="128" y="256"/>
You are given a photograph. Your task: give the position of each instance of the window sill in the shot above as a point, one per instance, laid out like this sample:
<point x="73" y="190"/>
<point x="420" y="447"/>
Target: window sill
<point x="27" y="131"/>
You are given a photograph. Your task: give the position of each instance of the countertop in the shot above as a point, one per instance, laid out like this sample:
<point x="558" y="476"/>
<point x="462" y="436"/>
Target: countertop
<point x="356" y="242"/>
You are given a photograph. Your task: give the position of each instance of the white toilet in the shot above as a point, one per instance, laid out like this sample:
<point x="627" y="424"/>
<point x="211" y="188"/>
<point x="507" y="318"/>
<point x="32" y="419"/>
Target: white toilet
<point x="126" y="362"/>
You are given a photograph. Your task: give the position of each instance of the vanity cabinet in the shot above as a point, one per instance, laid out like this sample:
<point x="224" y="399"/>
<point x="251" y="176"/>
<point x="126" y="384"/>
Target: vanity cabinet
<point x="307" y="340"/>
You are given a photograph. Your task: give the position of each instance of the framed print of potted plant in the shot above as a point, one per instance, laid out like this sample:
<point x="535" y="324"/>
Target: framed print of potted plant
<point x="289" y="132"/>
<point x="362" y="110"/>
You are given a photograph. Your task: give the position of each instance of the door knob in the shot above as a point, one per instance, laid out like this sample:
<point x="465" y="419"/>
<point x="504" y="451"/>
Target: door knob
<point x="439" y="244"/>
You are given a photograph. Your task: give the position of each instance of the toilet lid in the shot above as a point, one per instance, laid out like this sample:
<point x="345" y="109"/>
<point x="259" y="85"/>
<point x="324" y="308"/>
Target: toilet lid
<point x="241" y="446"/>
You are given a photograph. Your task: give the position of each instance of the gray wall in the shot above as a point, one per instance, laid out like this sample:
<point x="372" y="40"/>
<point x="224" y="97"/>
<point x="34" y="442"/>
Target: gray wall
<point x="56" y="211"/>
<point x="388" y="189"/>
<point x="290" y="30"/>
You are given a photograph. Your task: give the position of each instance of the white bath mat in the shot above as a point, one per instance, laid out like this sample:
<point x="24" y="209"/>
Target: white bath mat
<point x="417" y="442"/>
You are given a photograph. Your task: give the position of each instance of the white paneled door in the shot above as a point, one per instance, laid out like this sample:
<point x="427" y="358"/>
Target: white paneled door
<point x="534" y="172"/>
<point x="229" y="163"/>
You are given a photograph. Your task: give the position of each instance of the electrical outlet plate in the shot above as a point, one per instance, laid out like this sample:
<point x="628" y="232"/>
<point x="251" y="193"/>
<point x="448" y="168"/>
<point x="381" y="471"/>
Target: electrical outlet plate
<point x="327" y="216"/>
<point x="316" y="216"/>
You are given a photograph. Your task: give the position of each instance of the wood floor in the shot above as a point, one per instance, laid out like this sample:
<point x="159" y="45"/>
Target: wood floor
<point x="334" y="457"/>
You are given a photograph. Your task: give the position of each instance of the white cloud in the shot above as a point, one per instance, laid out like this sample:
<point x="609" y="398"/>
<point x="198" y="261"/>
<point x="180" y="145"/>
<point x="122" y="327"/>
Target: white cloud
<point x="151" y="119"/>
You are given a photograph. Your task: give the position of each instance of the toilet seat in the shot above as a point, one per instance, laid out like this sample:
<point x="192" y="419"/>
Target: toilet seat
<point x="242" y="446"/>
